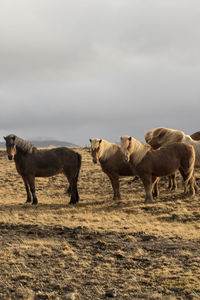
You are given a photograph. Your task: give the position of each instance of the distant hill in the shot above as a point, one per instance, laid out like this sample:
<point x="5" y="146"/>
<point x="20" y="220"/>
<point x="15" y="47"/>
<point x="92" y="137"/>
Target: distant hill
<point x="46" y="143"/>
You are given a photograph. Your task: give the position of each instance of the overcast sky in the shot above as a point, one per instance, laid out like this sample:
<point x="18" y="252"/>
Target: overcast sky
<point x="78" y="69"/>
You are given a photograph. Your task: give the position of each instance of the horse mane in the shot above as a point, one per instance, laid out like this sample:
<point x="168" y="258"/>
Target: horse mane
<point x="106" y="149"/>
<point x="23" y="145"/>
<point x="167" y="135"/>
<point x="137" y="149"/>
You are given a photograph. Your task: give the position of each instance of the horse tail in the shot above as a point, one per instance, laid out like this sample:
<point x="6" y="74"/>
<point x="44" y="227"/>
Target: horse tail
<point x="190" y="180"/>
<point x="79" y="158"/>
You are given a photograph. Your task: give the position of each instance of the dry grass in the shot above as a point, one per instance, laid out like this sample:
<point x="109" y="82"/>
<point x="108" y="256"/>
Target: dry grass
<point x="143" y="251"/>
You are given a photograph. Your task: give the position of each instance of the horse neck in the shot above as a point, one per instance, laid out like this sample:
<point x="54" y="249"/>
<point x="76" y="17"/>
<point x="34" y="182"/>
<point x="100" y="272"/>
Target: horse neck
<point x="106" y="150"/>
<point x="138" y="150"/>
<point x="23" y="146"/>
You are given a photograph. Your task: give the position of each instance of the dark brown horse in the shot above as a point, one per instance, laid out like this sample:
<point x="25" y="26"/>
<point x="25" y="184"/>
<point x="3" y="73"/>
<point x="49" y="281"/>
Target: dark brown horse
<point x="150" y="164"/>
<point x="31" y="162"/>
<point x="112" y="163"/>
<point x="195" y="136"/>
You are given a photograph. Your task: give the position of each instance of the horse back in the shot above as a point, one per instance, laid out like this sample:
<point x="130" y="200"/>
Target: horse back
<point x="166" y="160"/>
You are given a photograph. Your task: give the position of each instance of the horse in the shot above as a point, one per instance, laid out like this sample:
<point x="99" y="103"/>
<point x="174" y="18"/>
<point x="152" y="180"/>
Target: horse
<point x="31" y="162"/>
<point x="112" y="163"/>
<point x="150" y="164"/>
<point x="172" y="185"/>
<point x="195" y="136"/>
<point x="164" y="136"/>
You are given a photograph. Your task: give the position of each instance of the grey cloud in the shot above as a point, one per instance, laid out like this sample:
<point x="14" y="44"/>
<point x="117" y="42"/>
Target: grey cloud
<point x="72" y="69"/>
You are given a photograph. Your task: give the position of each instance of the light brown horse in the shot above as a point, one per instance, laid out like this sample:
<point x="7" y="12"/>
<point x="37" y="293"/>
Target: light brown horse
<point x="31" y="162"/>
<point x="112" y="163"/>
<point x="150" y="164"/>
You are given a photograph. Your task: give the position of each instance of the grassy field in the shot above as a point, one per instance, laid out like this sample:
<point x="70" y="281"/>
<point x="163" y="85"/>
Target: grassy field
<point x="143" y="251"/>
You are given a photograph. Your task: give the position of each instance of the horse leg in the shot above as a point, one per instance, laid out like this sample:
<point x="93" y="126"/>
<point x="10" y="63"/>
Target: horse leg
<point x="28" y="200"/>
<point x="189" y="186"/>
<point x="69" y="190"/>
<point x="172" y="182"/>
<point x="31" y="181"/>
<point x="72" y="190"/>
<point x="147" y="182"/>
<point x="155" y="192"/>
<point x="114" y="179"/>
<point x="195" y="185"/>
<point x="74" y="194"/>
<point x="192" y="186"/>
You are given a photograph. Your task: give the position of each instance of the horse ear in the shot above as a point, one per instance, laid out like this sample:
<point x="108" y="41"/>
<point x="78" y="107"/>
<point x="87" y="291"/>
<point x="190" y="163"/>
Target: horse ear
<point x="90" y="140"/>
<point x="129" y="138"/>
<point x="4" y="138"/>
<point x="100" y="141"/>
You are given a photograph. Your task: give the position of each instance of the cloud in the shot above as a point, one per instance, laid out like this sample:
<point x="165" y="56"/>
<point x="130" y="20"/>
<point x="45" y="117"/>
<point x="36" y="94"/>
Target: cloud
<point x="80" y="68"/>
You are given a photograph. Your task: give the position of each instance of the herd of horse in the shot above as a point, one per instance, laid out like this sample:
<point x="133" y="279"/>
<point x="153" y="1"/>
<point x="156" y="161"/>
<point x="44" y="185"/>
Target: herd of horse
<point x="165" y="152"/>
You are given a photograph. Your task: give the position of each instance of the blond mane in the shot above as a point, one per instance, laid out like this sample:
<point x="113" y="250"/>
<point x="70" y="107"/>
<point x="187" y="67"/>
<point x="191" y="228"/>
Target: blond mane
<point x="136" y="148"/>
<point x="106" y="149"/>
<point x="167" y="135"/>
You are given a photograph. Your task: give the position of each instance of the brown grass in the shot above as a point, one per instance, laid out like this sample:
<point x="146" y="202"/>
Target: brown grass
<point x="143" y="251"/>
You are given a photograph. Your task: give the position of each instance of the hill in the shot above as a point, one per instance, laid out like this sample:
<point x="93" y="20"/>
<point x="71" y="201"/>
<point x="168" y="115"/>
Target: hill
<point x="46" y="143"/>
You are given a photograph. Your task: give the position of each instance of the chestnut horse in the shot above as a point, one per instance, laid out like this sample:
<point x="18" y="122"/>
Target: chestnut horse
<point x="150" y="164"/>
<point x="31" y="162"/>
<point x="164" y="136"/>
<point x="112" y="163"/>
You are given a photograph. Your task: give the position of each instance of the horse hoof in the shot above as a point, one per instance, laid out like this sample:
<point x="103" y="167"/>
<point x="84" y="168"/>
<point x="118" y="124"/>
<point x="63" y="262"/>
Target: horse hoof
<point x="117" y="198"/>
<point x="72" y="203"/>
<point x="148" y="201"/>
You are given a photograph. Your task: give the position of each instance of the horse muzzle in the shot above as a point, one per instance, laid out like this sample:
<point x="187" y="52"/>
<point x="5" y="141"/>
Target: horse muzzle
<point x="126" y="157"/>
<point x="94" y="160"/>
<point x="10" y="157"/>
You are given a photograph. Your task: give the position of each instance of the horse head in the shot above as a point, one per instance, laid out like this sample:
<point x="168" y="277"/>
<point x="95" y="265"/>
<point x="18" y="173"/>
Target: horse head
<point x="95" y="149"/>
<point x="125" y="147"/>
<point x="10" y="145"/>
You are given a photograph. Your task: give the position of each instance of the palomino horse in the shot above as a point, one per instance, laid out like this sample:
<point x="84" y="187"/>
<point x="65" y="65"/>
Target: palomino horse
<point x="150" y="164"/>
<point x="31" y="162"/>
<point x="112" y="163"/>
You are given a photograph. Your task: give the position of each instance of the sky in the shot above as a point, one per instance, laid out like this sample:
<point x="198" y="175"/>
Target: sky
<point x="79" y="69"/>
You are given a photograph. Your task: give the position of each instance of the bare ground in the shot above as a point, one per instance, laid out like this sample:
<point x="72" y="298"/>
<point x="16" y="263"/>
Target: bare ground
<point x="143" y="251"/>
